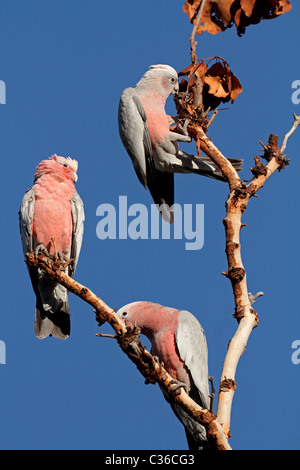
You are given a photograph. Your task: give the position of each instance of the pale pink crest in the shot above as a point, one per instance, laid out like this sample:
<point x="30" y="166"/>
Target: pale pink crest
<point x="164" y="67"/>
<point x="61" y="166"/>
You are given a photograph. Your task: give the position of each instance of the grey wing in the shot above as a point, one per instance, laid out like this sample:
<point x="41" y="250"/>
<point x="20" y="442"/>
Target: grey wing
<point x="160" y="185"/>
<point x="134" y="132"/>
<point x="135" y="136"/>
<point x="25" y="220"/>
<point x="78" y="224"/>
<point x="192" y="348"/>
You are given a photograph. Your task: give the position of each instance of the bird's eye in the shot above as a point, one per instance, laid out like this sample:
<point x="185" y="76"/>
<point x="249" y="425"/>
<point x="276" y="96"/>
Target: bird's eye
<point x="172" y="80"/>
<point x="124" y="314"/>
<point x="65" y="165"/>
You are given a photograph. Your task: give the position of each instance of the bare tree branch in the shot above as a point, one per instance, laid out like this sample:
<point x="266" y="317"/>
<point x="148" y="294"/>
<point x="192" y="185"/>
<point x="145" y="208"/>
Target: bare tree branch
<point x="212" y="118"/>
<point x="192" y="37"/>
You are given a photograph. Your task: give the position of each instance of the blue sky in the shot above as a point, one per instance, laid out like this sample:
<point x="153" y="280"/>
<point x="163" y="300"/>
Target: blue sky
<point x="65" y="64"/>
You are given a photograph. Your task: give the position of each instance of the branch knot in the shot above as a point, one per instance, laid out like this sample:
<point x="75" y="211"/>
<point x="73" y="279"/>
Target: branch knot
<point x="259" y="168"/>
<point x="235" y="274"/>
<point x="227" y="384"/>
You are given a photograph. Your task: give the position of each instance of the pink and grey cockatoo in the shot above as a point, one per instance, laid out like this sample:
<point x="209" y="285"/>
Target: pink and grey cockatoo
<point x="153" y="148"/>
<point x="178" y="341"/>
<point x="52" y="209"/>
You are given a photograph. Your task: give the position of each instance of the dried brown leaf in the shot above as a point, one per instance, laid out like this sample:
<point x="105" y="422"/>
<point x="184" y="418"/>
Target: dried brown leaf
<point x="190" y="8"/>
<point x="236" y="88"/>
<point x="219" y="15"/>
<point x="210" y="24"/>
<point x="216" y="87"/>
<point x="201" y="70"/>
<point x="186" y="71"/>
<point x="247" y="6"/>
<point x="219" y="83"/>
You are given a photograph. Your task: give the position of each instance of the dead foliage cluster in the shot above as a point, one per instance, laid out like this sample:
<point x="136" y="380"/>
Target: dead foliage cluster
<point x="218" y="15"/>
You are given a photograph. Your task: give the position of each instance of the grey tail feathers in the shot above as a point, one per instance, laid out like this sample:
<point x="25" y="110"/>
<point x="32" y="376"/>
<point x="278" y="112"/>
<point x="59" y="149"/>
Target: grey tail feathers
<point x="52" y="324"/>
<point x="217" y="174"/>
<point x="193" y="445"/>
<point x="161" y="187"/>
<point x="194" y="431"/>
<point x="52" y="314"/>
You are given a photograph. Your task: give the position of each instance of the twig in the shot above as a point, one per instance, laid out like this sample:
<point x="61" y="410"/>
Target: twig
<point x="131" y="345"/>
<point x="294" y="127"/>
<point x="192" y="37"/>
<point x="212" y="118"/>
<point x="54" y="246"/>
<point x="104" y="335"/>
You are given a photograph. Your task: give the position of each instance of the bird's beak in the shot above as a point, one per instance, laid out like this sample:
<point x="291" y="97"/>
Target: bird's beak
<point x="176" y="89"/>
<point x="75" y="178"/>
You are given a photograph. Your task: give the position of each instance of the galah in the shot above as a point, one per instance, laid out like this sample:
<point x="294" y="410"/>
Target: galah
<point x="178" y="341"/>
<point x="51" y="219"/>
<point x="144" y="129"/>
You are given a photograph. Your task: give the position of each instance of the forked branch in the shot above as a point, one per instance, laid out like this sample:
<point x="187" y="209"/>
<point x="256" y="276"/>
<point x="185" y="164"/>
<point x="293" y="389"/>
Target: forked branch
<point x="236" y="205"/>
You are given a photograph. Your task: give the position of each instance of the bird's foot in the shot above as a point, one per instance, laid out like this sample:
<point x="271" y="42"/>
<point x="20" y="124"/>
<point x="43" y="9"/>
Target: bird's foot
<point x="178" y="385"/>
<point x="161" y="364"/>
<point x="183" y="129"/>
<point x="156" y="358"/>
<point x="67" y="261"/>
<point x="41" y="248"/>
<point x="61" y="256"/>
<point x="62" y="261"/>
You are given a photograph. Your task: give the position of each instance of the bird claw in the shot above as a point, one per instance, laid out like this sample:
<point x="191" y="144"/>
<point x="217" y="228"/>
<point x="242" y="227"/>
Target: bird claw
<point x="156" y="358"/>
<point x="41" y="248"/>
<point x="62" y="259"/>
<point x="176" y="389"/>
<point x="61" y="256"/>
<point x="148" y="380"/>
<point x="183" y="129"/>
